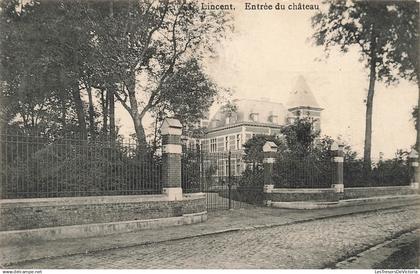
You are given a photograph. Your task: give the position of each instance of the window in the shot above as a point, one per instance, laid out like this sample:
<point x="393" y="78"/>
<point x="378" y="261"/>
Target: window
<point x="221" y="167"/>
<point x="238" y="141"/>
<point x="226" y="143"/>
<point x="213" y="145"/>
<point x="274" y="119"/>
<point x="232" y="167"/>
<point x="254" y="117"/>
<point x="238" y="168"/>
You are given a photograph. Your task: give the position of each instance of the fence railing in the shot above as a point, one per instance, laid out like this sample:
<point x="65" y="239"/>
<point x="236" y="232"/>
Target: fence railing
<point x="204" y="171"/>
<point x="224" y="176"/>
<point x="209" y="171"/>
<point x="35" y="167"/>
<point x="191" y="171"/>
<point x="384" y="173"/>
<point x="303" y="174"/>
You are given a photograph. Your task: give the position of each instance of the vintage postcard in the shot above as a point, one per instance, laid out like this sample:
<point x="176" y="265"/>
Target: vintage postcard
<point x="209" y="134"/>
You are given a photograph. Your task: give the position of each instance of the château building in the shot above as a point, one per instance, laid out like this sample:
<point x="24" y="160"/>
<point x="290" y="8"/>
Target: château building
<point x="228" y="131"/>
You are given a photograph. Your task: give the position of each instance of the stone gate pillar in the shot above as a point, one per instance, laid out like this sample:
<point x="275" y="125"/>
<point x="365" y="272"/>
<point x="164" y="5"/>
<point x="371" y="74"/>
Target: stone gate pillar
<point x="338" y="168"/>
<point x="171" y="131"/>
<point x="269" y="151"/>
<point x="414" y="165"/>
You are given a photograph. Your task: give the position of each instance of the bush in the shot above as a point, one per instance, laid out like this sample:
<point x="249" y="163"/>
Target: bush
<point x="305" y="173"/>
<point x="252" y="177"/>
<point x="392" y="172"/>
<point x="77" y="169"/>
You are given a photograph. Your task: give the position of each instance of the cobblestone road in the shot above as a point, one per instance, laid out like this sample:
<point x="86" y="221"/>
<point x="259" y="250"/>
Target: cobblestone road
<point x="314" y="244"/>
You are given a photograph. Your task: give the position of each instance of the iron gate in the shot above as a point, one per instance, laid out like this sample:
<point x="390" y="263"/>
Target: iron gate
<point x="224" y="177"/>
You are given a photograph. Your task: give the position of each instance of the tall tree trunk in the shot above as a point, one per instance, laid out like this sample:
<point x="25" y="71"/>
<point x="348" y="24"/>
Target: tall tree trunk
<point x="111" y="9"/>
<point x="155" y="134"/>
<point x="63" y="115"/>
<point x="104" y="104"/>
<point x="111" y="109"/>
<point x="111" y="90"/>
<point x="135" y="113"/>
<point x="91" y="111"/>
<point x="418" y="118"/>
<point x="417" y="169"/>
<point x="79" y="111"/>
<point x="415" y="60"/>
<point x="367" y="161"/>
<point x="369" y="110"/>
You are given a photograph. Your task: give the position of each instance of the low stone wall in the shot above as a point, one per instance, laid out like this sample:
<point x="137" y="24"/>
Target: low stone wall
<point x="21" y="214"/>
<point x="251" y="195"/>
<point x="301" y="194"/>
<point x="367" y="192"/>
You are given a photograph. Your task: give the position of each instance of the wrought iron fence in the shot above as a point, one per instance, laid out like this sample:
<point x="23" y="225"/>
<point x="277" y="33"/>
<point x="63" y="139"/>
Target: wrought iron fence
<point x="393" y="172"/>
<point x="206" y="171"/>
<point x="191" y="171"/>
<point x="35" y="167"/>
<point x="303" y="174"/>
<point x="220" y="175"/>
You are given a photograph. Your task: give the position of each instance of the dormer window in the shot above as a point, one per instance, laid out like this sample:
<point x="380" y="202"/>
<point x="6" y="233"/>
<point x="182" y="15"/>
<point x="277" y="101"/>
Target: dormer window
<point x="254" y="117"/>
<point x="273" y="119"/>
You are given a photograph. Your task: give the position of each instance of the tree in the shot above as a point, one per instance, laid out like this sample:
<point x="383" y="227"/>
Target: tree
<point x="378" y="29"/>
<point x="187" y="95"/>
<point x="415" y="117"/>
<point x="300" y="137"/>
<point x="303" y="158"/>
<point x="253" y="148"/>
<point x="66" y="63"/>
<point x="146" y="43"/>
<point x="43" y="53"/>
<point x="229" y="109"/>
<point x="254" y="156"/>
<point x="406" y="49"/>
<point x="297" y="141"/>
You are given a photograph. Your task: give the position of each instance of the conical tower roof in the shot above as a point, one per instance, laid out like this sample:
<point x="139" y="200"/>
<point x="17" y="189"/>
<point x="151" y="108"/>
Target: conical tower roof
<point x="301" y="95"/>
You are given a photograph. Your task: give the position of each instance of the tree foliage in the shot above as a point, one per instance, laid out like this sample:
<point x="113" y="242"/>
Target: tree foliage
<point x="253" y="148"/>
<point x="64" y="64"/>
<point x="300" y="137"/>
<point x="303" y="158"/>
<point x="148" y="44"/>
<point x="386" y="34"/>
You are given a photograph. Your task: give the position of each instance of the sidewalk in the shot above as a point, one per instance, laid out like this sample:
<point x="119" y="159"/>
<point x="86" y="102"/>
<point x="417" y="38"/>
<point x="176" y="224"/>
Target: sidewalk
<point x="218" y="222"/>
<point x="398" y="253"/>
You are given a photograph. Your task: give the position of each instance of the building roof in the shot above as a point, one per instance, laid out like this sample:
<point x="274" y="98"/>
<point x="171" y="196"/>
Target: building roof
<point x="268" y="113"/>
<point x="301" y="95"/>
<point x="265" y="112"/>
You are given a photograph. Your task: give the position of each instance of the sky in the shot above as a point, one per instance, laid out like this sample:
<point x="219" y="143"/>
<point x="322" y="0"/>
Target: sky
<point x="270" y="49"/>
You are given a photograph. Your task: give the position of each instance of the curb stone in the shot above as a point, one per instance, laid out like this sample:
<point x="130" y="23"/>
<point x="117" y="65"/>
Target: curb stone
<point x="356" y="253"/>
